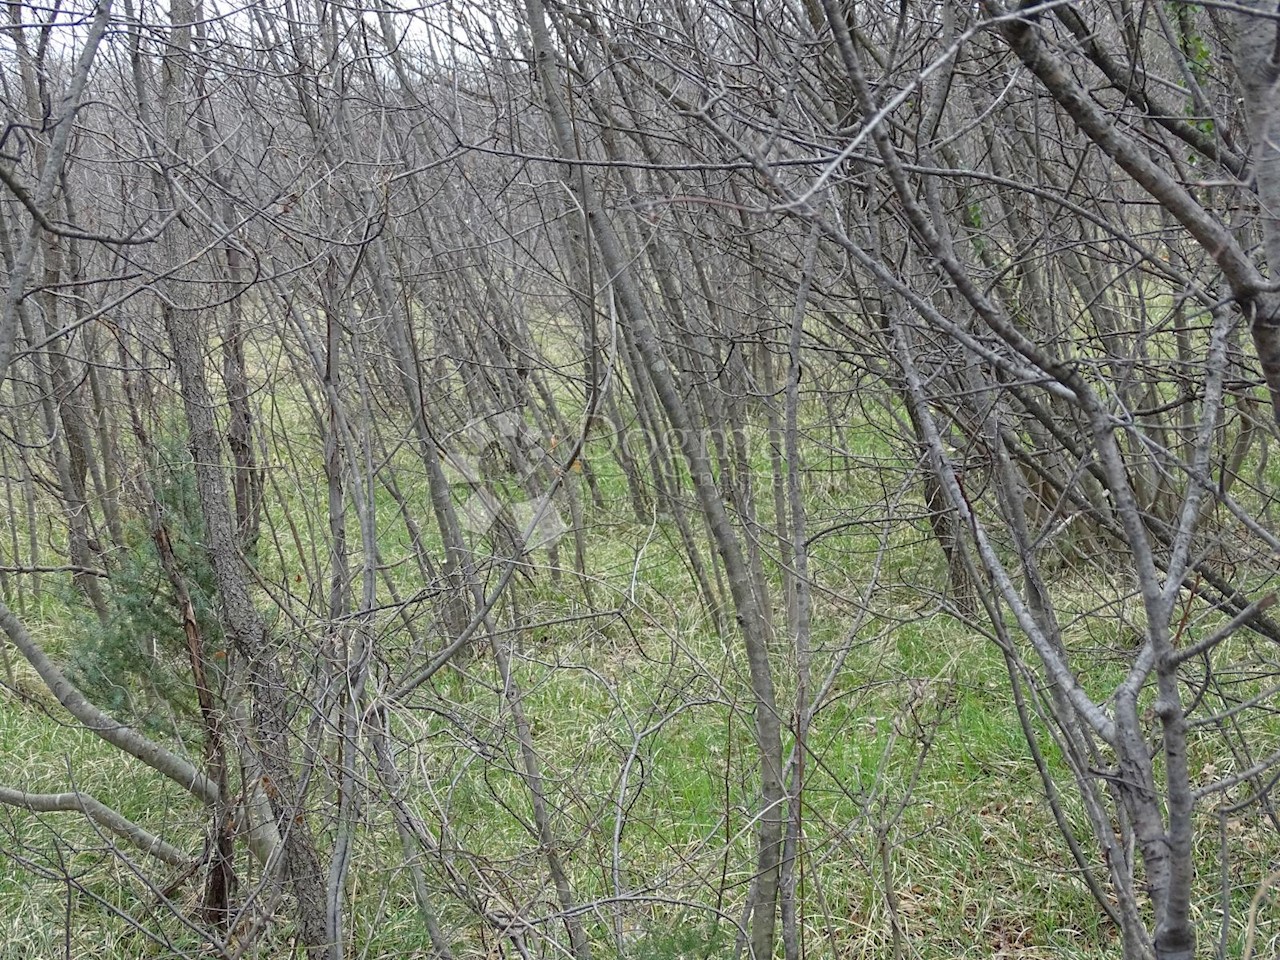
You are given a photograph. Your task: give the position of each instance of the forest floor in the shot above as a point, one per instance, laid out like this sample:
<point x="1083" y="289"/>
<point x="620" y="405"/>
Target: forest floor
<point x="926" y="833"/>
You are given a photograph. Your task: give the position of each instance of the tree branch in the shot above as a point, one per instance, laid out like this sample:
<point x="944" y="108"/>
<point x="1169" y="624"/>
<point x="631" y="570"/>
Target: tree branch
<point x="100" y="814"/>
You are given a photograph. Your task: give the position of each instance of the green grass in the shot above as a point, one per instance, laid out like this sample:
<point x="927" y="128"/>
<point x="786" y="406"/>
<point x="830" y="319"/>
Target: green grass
<point x="921" y="804"/>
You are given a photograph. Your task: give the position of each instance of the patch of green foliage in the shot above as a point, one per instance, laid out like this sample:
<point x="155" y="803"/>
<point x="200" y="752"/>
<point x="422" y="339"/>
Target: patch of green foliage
<point x="136" y="665"/>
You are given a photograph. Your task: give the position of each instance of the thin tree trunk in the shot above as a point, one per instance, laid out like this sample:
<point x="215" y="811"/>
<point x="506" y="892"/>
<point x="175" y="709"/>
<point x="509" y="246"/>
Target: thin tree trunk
<point x="750" y="617"/>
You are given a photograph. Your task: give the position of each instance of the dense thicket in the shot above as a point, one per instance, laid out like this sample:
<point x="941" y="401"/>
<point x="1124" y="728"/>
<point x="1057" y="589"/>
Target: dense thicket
<point x="427" y="430"/>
